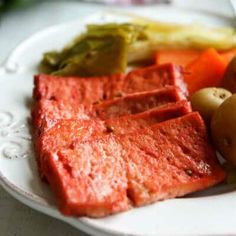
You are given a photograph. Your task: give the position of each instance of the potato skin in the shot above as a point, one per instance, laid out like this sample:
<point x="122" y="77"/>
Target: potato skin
<point x="223" y="129"/>
<point x="207" y="100"/>
<point x="229" y="79"/>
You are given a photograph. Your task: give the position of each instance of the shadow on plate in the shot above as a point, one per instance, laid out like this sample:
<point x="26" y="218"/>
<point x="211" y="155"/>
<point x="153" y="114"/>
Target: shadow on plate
<point x="217" y="190"/>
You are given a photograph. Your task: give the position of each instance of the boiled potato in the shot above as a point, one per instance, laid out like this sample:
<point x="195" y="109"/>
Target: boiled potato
<point x="229" y="80"/>
<point x="207" y="100"/>
<point x="231" y="173"/>
<point x="223" y="129"/>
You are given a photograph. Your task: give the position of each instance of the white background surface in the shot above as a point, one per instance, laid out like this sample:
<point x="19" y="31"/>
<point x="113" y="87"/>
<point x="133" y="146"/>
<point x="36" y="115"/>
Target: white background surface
<point x="15" y="218"/>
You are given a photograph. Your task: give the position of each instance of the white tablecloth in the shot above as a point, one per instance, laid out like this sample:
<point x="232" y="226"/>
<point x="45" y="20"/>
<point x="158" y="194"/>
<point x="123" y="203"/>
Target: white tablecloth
<point x="15" y="218"/>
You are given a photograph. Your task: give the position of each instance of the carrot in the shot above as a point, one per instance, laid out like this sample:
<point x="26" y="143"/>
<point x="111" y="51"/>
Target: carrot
<point x="178" y="57"/>
<point x="205" y="71"/>
<point x="228" y="55"/>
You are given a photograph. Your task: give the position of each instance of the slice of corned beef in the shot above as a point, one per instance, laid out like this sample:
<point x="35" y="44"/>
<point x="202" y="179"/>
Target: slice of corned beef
<point x="86" y="185"/>
<point x="99" y="177"/>
<point x="137" y="102"/>
<point x="64" y="134"/>
<point x="133" y="123"/>
<point x="75" y="89"/>
<point x="171" y="159"/>
<point x="47" y="112"/>
<point x="154" y="77"/>
<point x="89" y="90"/>
<point x="67" y="133"/>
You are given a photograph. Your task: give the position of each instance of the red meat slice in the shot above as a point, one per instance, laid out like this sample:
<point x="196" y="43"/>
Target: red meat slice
<point x="75" y="89"/>
<point x="64" y="134"/>
<point x="67" y="133"/>
<point x="47" y="112"/>
<point x="154" y="77"/>
<point x="170" y="159"/>
<point x="85" y="186"/>
<point x="89" y="90"/>
<point x="133" y="123"/>
<point x="72" y="97"/>
<point x="138" y="102"/>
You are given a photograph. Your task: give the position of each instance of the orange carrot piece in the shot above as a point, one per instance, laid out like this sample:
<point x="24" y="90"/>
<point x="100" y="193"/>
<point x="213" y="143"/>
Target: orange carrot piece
<point x="228" y="55"/>
<point x="178" y="57"/>
<point x="205" y="71"/>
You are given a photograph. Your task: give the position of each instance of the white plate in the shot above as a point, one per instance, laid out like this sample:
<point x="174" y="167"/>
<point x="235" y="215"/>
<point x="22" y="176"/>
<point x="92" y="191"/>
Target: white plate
<point x="211" y="212"/>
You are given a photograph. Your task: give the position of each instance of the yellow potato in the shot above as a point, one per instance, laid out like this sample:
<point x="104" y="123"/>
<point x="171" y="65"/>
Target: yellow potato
<point x="207" y="100"/>
<point x="223" y="129"/>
